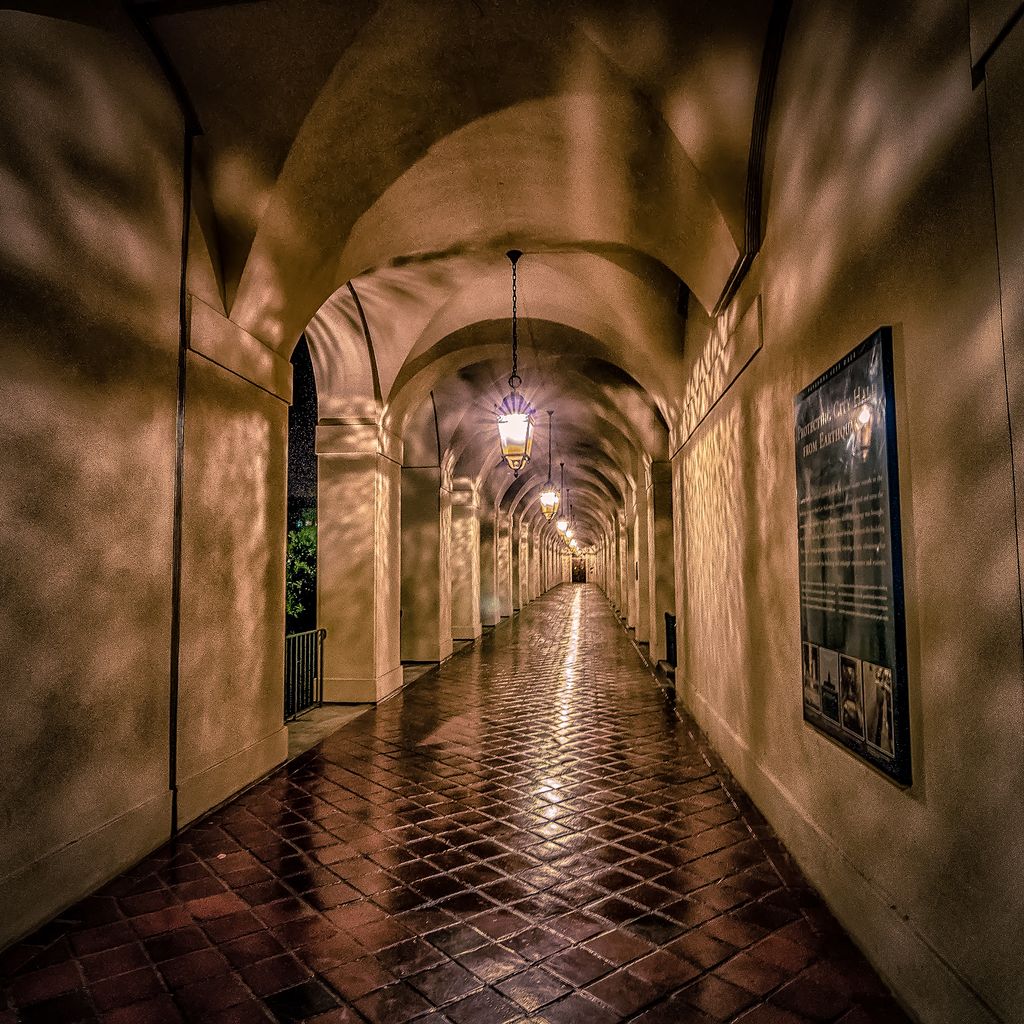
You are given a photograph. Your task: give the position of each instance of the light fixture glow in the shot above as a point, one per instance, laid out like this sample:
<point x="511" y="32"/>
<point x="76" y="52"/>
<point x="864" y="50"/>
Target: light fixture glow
<point x="548" y="502"/>
<point x="863" y="428"/>
<point x="515" y="414"/>
<point x="563" y="524"/>
<point x="549" y="497"/>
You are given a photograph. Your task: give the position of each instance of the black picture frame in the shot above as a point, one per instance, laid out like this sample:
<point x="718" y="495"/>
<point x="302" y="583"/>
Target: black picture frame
<point x="852" y="600"/>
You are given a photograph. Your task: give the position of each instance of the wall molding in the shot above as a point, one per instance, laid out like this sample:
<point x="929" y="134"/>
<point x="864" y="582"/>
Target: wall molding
<point x="220" y="340"/>
<point x="979" y="66"/>
<point x="727" y="354"/>
<point x="214" y="785"/>
<point x="753" y="199"/>
<point x="38" y="891"/>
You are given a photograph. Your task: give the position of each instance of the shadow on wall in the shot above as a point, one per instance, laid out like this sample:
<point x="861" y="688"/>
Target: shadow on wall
<point x="879" y="169"/>
<point x="843" y="189"/>
<point x="89" y="267"/>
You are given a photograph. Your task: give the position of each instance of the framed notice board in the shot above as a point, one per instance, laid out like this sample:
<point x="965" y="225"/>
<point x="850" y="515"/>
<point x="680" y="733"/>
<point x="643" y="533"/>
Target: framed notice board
<point x="852" y="618"/>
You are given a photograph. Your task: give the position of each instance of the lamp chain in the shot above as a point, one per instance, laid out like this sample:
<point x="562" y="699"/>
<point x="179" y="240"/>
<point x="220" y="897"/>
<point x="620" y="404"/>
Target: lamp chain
<point x="550" y="415"/>
<point x="515" y="380"/>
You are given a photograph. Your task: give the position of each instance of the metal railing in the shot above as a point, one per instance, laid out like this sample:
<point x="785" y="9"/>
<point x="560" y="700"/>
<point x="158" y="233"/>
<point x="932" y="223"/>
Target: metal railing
<point x="303" y="672"/>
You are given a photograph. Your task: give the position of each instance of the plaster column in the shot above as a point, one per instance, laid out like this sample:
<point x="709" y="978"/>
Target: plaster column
<point x="465" y="562"/>
<point x="516" y="562"/>
<point x="524" y="564"/>
<point x="503" y="563"/>
<point x="609" y="572"/>
<point x="535" y="557"/>
<point x="426" y="565"/>
<point x="233" y="540"/>
<point x="643" y="558"/>
<point x="490" y="613"/>
<point x="358" y="551"/>
<point x="625" y="568"/>
<point x="679" y="565"/>
<point x="632" y="570"/>
<point x="615" y="573"/>
<point x="663" y="585"/>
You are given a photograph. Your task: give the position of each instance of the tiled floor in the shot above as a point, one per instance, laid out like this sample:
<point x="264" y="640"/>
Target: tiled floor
<point x="525" y="835"/>
<point x="318" y="723"/>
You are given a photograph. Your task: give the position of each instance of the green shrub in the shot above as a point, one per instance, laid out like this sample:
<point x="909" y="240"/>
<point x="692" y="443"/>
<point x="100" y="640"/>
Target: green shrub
<point x="300" y="573"/>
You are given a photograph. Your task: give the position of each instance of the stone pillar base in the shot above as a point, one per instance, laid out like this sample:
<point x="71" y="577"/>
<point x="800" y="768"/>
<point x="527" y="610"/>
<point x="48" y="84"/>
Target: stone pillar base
<point x="366" y="690"/>
<point x="469" y="632"/>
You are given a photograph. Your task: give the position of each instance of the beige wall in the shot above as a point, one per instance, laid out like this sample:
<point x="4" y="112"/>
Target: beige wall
<point x="426" y="573"/>
<point x="879" y="211"/>
<point x="88" y="341"/>
<point x="1004" y="92"/>
<point x="490" y="609"/>
<point x="465" y="566"/>
<point x="230" y="727"/>
<point x="661" y="547"/>
<point x="89" y="327"/>
<point x="359" y="582"/>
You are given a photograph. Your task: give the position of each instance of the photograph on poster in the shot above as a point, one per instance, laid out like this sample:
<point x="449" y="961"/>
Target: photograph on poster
<point x="829" y="662"/>
<point x="878" y="706"/>
<point x="851" y="695"/>
<point x="850" y="558"/>
<point x="812" y="681"/>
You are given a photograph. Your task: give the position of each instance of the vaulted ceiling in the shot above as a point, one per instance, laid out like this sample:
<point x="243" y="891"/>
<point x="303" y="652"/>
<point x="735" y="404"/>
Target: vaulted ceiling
<point x="363" y="167"/>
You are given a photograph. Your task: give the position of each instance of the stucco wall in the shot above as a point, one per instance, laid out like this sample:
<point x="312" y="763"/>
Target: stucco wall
<point x="880" y="211"/>
<point x="230" y="710"/>
<point x="89" y="267"/>
<point x="90" y="257"/>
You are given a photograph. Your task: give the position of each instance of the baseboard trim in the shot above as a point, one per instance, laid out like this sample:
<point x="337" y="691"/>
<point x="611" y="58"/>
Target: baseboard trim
<point x="35" y="893"/>
<point x="213" y="785"/>
<point x="362" y="689"/>
<point x="928" y="986"/>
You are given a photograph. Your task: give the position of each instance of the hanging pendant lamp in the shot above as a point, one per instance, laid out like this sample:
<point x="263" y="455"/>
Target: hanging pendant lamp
<point x="572" y="522"/>
<point x="515" y="415"/>
<point x="563" y="524"/>
<point x="549" y="497"/>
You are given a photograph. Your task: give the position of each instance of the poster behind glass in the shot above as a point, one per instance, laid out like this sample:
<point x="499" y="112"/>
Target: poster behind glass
<point x="852" y="629"/>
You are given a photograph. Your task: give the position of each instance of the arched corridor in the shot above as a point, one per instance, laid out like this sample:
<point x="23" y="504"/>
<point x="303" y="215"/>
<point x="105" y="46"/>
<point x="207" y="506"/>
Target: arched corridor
<point x="527" y="833"/>
<point x="313" y="311"/>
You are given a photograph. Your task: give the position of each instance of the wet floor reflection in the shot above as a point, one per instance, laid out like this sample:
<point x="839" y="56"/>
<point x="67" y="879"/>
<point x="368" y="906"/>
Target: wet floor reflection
<point x="524" y="834"/>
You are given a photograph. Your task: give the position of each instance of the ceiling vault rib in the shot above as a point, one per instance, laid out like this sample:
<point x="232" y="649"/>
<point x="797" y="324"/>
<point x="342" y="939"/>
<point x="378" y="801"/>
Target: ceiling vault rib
<point x="165" y="8"/>
<point x="368" y="338"/>
<point x="754" y="195"/>
<point x="140" y="19"/>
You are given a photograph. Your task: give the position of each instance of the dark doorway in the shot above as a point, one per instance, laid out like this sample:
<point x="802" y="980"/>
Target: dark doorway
<point x="579" y="570"/>
<point x="304" y="643"/>
<point x="300" y="575"/>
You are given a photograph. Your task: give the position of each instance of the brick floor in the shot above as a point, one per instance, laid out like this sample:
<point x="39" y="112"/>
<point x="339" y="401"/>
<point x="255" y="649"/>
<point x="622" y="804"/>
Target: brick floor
<point x="527" y="834"/>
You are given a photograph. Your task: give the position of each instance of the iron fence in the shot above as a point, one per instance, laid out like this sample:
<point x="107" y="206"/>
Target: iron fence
<point x="303" y="672"/>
